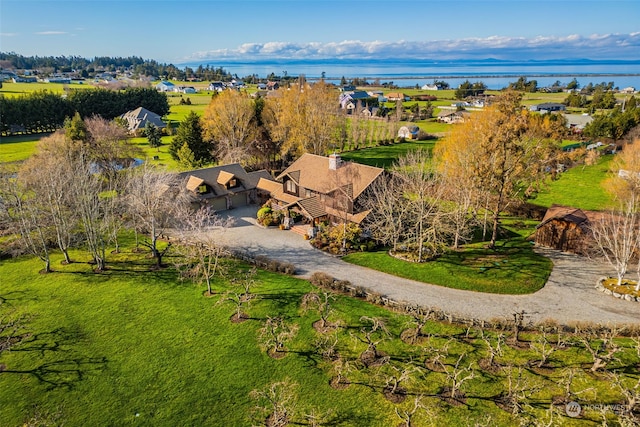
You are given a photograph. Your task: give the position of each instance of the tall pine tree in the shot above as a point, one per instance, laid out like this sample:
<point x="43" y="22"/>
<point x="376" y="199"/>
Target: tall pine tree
<point x="190" y="133"/>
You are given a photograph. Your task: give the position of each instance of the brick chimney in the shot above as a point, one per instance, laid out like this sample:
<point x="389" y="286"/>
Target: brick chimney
<point x="334" y="161"/>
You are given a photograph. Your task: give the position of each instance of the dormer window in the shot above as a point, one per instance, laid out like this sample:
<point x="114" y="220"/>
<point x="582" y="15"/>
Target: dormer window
<point x="233" y="183"/>
<point x="202" y="189"/>
<point x="290" y="187"/>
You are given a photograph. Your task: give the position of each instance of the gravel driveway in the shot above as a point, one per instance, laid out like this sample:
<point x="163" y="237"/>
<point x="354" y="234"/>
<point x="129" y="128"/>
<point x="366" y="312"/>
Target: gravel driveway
<point x="569" y="295"/>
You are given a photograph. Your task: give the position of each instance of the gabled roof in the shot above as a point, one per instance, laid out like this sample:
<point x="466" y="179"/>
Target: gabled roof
<point x="312" y="172"/>
<point x="194" y="182"/>
<point x="579" y="217"/>
<point x="313" y="207"/>
<point x="217" y="177"/>
<point x="138" y="118"/>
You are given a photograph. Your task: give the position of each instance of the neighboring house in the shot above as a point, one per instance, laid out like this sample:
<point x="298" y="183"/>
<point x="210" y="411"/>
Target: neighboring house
<point x="398" y="96"/>
<point x="185" y="89"/>
<point x="165" y="86"/>
<point x="225" y="187"/>
<point x="137" y="119"/>
<point x="349" y="100"/>
<point x="566" y="229"/>
<point x="347" y="88"/>
<point x="217" y="86"/>
<point x="432" y="87"/>
<point x="25" y="79"/>
<point x="409" y="132"/>
<point x="548" y="107"/>
<point x="629" y="89"/>
<point x="453" y="116"/>
<point x="273" y="86"/>
<point x="261" y="86"/>
<point x="323" y="188"/>
<point x="63" y="80"/>
<point x="577" y="122"/>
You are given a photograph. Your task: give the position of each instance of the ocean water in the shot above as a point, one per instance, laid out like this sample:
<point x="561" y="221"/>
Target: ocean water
<point x="496" y="74"/>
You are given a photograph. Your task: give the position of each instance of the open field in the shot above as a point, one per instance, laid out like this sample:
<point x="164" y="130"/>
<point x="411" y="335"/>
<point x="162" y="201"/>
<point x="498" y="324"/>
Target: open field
<point x="580" y="187"/>
<point x="136" y="345"/>
<point x="18" y="148"/>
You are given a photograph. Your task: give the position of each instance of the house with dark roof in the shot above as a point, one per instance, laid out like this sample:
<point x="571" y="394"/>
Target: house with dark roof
<point x="409" y="132"/>
<point x="137" y="119"/>
<point x="226" y="186"/>
<point x="548" y="107"/>
<point x="323" y="188"/>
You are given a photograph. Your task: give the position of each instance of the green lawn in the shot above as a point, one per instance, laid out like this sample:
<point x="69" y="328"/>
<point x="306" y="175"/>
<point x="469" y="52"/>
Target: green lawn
<point x="383" y="156"/>
<point x="17" y="148"/>
<point x="580" y="187"/>
<point x="134" y="345"/>
<point x="513" y="268"/>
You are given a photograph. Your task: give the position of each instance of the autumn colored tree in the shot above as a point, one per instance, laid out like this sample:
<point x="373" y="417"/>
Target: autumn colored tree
<point x="504" y="156"/>
<point x="305" y="119"/>
<point x="229" y="121"/>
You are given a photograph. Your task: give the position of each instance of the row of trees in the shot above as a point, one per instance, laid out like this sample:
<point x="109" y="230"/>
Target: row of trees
<point x="73" y="193"/>
<point x="43" y="111"/>
<point x="255" y="132"/>
<point x="89" y="67"/>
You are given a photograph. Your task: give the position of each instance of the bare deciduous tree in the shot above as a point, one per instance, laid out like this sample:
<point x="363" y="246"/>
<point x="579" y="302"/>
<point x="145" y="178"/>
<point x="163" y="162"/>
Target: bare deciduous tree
<point x="276" y="403"/>
<point x="275" y="334"/>
<point x="321" y="303"/>
<point x="157" y="201"/>
<point x="457" y="375"/>
<point x="602" y="348"/>
<point x="616" y="235"/>
<point x="200" y="247"/>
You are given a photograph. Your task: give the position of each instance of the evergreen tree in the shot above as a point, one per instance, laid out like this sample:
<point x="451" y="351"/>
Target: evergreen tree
<point x="153" y="135"/>
<point x="76" y="129"/>
<point x="190" y="133"/>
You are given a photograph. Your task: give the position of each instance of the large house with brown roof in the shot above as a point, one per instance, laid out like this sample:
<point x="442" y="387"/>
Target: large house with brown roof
<point x="322" y="188"/>
<point x="224" y="187"/>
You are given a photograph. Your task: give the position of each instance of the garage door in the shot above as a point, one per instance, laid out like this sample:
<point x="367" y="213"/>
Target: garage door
<point x="238" y="200"/>
<point x="218" y="204"/>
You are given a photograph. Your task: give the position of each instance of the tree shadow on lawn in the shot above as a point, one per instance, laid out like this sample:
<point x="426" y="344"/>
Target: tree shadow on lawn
<point x="64" y="372"/>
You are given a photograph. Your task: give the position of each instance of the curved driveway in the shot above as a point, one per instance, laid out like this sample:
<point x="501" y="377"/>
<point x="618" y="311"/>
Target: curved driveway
<point x="569" y="295"/>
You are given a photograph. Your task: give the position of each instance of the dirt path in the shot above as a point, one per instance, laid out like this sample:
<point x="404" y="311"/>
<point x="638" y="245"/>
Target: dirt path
<point x="569" y="295"/>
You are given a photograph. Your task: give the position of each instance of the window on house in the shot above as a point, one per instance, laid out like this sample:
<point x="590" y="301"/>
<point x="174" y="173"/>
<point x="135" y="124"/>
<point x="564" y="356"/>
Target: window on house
<point x="233" y="183"/>
<point x="202" y="189"/>
<point x="290" y="187"/>
<point x="307" y="193"/>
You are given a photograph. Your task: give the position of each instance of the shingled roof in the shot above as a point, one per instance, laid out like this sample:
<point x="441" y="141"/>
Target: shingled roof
<point x="312" y="171"/>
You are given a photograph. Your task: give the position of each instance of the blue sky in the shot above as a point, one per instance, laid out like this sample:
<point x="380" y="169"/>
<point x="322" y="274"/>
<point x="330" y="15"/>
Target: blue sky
<point x="181" y="31"/>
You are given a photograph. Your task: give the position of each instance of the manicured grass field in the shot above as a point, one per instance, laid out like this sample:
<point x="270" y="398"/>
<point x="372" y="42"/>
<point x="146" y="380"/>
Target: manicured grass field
<point x="383" y="156"/>
<point x="136" y="346"/>
<point x="513" y="268"/>
<point x="17" y="148"/>
<point x="580" y="187"/>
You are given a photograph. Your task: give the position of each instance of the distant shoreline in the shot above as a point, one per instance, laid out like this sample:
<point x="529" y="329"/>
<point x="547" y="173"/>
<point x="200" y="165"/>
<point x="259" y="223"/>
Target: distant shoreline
<point x="480" y="76"/>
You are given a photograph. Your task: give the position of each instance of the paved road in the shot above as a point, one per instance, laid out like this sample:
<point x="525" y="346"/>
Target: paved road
<point x="569" y="295"/>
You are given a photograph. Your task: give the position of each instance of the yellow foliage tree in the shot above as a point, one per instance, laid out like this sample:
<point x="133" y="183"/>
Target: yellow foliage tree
<point x="304" y="118"/>
<point x="229" y="121"/>
<point x="500" y="153"/>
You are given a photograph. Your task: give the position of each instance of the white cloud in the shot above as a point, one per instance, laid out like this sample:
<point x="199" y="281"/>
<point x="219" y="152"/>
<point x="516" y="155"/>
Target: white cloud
<point x="8" y="34"/>
<point x="610" y="46"/>
<point x="51" y="33"/>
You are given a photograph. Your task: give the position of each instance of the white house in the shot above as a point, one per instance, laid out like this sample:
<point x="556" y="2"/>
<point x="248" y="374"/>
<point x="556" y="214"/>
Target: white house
<point x="165" y="86"/>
